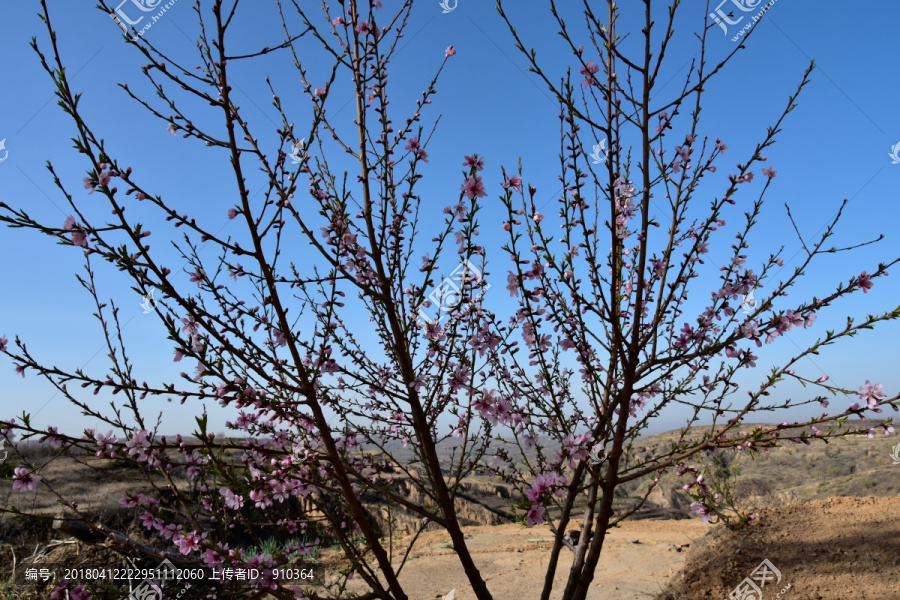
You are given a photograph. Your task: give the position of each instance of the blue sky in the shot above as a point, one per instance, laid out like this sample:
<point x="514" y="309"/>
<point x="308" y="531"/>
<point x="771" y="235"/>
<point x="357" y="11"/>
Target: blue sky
<point x="834" y="146"/>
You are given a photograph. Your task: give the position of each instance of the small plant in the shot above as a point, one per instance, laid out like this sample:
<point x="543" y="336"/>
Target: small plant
<point x="287" y="551"/>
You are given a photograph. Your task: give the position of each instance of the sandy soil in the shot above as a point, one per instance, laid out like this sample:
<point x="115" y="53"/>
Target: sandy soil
<point x="835" y="549"/>
<point x="638" y="559"/>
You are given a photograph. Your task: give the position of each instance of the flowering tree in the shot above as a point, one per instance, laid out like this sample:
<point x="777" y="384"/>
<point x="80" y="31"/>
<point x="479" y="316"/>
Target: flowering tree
<point x="613" y="293"/>
<point x="324" y="396"/>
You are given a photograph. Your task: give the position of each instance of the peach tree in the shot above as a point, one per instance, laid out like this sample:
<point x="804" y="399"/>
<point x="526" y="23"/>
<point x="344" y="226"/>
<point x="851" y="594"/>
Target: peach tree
<point x="314" y="323"/>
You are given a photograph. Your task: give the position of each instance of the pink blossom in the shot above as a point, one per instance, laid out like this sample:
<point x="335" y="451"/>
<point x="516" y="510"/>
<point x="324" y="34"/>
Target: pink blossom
<point x="138" y="445"/>
<point x="79" y="239"/>
<point x="413" y="146"/>
<point x="705" y="513"/>
<point x="130" y="501"/>
<point x="20" y="369"/>
<point x="512" y="284"/>
<point x="78" y="236"/>
<point x="188" y="542"/>
<point x="232" y="213"/>
<point x="171" y="128"/>
<point x="577" y="448"/>
<point x="450" y="51"/>
<point x="538" y="217"/>
<point x="170" y="530"/>
<point x="514" y="182"/>
<point x="236" y="272"/>
<point x="51" y="438"/>
<point x="810" y="319"/>
<point x="770" y="172"/>
<point x="261" y="499"/>
<point x="364" y="27"/>
<point x="474" y="161"/>
<point x="543" y="483"/>
<point x="589" y="70"/>
<point x="25" y="481"/>
<point x="871" y="394"/>
<point x="433" y="331"/>
<point x="105" y="442"/>
<point x="535" y="516"/>
<point x="337" y="21"/>
<point x="211" y="557"/>
<point x="473" y="187"/>
<point x="865" y="282"/>
<point x="148" y="521"/>
<point x="3" y="342"/>
<point x="321" y="92"/>
<point x="750" y="329"/>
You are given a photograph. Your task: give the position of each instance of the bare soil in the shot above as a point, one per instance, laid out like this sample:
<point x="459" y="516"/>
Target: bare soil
<point x="834" y="549"/>
<point x="639" y="558"/>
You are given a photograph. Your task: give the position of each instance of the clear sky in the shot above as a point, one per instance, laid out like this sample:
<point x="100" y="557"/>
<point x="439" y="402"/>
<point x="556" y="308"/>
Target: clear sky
<point x="834" y="146"/>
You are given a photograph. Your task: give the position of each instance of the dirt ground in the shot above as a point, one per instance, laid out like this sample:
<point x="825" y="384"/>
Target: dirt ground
<point x="639" y="557"/>
<point x="835" y="549"/>
<point x="831" y="549"/>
